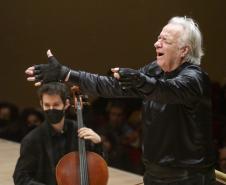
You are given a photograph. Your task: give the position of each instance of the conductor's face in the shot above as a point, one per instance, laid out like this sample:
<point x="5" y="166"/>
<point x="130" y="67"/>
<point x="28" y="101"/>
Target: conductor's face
<point x="52" y="102"/>
<point x="169" y="49"/>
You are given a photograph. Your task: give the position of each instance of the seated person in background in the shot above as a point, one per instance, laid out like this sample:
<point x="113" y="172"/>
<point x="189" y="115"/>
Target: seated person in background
<point x="8" y="118"/>
<point x="42" y="148"/>
<point x="114" y="134"/>
<point x="30" y="118"/>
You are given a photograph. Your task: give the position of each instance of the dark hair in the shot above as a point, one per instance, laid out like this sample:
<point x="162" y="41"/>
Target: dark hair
<point x="54" y="88"/>
<point x="31" y="111"/>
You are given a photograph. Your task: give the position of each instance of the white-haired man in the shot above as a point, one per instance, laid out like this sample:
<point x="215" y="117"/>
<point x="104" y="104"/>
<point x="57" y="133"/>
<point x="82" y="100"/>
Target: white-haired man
<point x="177" y="144"/>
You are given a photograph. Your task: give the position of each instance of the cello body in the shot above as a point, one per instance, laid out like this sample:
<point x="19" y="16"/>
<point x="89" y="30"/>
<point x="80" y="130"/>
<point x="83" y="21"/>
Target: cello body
<point x="67" y="174"/>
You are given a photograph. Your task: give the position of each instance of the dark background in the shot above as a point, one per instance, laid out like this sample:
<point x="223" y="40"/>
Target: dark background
<point x="95" y="35"/>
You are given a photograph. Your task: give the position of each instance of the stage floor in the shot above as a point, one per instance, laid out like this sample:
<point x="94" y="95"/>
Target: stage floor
<point x="9" y="152"/>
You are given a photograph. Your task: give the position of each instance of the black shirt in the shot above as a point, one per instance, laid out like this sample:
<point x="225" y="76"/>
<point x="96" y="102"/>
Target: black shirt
<point x="58" y="140"/>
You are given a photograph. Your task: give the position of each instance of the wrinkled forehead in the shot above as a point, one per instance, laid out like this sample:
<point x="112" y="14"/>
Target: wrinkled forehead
<point x="172" y="30"/>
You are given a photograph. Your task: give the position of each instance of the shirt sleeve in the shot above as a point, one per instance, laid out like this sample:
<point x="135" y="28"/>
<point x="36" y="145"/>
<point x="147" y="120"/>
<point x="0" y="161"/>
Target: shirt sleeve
<point x="98" y="85"/>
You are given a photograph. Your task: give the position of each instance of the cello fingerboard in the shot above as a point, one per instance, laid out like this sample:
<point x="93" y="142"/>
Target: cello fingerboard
<point x="84" y="180"/>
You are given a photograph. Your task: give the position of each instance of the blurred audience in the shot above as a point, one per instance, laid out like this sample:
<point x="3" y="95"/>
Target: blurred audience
<point x="114" y="133"/>
<point x="8" y="118"/>
<point x="132" y="142"/>
<point x="222" y="159"/>
<point x="30" y="118"/>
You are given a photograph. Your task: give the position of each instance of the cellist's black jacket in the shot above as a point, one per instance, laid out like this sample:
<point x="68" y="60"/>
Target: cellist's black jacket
<point x="176" y="112"/>
<point x="36" y="164"/>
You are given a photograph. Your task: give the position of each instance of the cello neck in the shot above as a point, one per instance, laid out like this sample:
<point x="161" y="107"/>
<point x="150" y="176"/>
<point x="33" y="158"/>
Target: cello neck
<point x="84" y="180"/>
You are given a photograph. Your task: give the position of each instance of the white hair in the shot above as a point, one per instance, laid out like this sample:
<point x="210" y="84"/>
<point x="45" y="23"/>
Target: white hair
<point x="192" y="38"/>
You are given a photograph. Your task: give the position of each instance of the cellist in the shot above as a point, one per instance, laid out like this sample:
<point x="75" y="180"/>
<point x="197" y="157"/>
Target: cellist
<point x="42" y="148"/>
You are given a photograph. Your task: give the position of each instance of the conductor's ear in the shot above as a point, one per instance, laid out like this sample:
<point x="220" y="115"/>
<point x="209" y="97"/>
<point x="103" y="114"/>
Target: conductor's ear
<point x="185" y="51"/>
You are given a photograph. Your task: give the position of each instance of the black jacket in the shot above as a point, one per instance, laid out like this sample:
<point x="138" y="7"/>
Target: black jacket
<point x="35" y="165"/>
<point x="176" y="112"/>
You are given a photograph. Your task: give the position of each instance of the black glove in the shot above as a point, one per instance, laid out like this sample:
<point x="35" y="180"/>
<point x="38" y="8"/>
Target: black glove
<point x="53" y="71"/>
<point x="130" y="78"/>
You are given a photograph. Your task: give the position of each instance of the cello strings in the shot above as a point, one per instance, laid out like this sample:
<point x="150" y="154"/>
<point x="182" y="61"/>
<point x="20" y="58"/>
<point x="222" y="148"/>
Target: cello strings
<point x="82" y="151"/>
<point x="81" y="165"/>
<point x="85" y="165"/>
<point x="80" y="144"/>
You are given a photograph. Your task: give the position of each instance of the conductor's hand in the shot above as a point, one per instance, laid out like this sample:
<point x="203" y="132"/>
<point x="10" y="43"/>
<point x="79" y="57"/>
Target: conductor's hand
<point x="53" y="71"/>
<point x="128" y="78"/>
<point x="87" y="133"/>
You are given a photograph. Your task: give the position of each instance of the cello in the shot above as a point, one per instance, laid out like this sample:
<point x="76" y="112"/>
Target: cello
<point x="81" y="167"/>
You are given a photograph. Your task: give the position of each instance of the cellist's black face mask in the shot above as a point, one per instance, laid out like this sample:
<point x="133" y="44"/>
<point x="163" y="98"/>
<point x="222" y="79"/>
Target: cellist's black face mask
<point x="54" y="116"/>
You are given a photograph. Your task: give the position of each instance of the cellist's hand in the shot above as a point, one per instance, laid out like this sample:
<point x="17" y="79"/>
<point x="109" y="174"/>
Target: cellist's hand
<point x="87" y="133"/>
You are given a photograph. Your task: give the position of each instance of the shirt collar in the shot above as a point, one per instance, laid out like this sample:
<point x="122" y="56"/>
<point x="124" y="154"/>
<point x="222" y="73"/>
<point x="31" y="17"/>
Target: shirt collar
<point x="53" y="132"/>
<point x="177" y="70"/>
